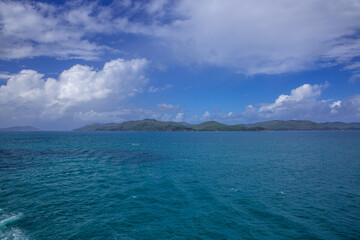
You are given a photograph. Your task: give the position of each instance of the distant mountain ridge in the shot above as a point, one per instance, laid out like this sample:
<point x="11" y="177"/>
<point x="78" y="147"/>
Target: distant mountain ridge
<point x="140" y="125"/>
<point x="216" y="126"/>
<point x="343" y="126"/>
<point x="278" y="125"/>
<point x="275" y="125"/>
<point x="19" y="129"/>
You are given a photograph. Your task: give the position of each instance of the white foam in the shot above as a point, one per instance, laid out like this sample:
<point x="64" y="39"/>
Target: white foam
<point x="13" y="234"/>
<point x="8" y="232"/>
<point x="9" y="219"/>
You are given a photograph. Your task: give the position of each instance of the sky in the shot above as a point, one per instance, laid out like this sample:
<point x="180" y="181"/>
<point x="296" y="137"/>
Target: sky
<point x="65" y="64"/>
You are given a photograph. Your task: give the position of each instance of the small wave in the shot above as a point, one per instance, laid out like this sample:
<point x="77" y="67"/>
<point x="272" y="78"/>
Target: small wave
<point x="7" y="232"/>
<point x="9" y="219"/>
<point x="233" y="190"/>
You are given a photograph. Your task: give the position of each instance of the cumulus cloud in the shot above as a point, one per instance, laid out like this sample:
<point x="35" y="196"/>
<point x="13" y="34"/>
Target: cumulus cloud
<point x="335" y="106"/>
<point x="348" y="109"/>
<point x="304" y="103"/>
<point x="167" y="107"/>
<point x="28" y="95"/>
<point x="302" y="97"/>
<point x="206" y="114"/>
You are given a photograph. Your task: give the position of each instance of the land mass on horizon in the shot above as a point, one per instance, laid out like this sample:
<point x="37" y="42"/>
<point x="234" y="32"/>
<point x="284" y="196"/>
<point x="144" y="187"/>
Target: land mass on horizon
<point x="274" y="125"/>
<point x="20" y="129"/>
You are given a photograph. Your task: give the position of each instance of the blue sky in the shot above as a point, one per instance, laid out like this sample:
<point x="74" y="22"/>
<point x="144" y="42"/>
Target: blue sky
<point x="67" y="64"/>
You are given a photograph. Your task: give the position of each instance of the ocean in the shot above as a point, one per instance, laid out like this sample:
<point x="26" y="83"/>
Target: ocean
<point x="180" y="185"/>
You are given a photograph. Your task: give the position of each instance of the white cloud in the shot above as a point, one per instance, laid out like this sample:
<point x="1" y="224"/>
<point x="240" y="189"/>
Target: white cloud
<point x="268" y="37"/>
<point x="126" y="114"/>
<point x="119" y="115"/>
<point x="335" y="106"/>
<point x="304" y="103"/>
<point x="68" y="31"/>
<point x="29" y="95"/>
<point x="355" y="76"/>
<point x="5" y="75"/>
<point x="167" y="107"/>
<point x="303" y="96"/>
<point x="156" y="7"/>
<point x="353" y="66"/>
<point x="206" y="114"/>
<point x="179" y="117"/>
<point x="349" y="109"/>
<point x="155" y="89"/>
<point x="32" y="29"/>
<point x="250" y="36"/>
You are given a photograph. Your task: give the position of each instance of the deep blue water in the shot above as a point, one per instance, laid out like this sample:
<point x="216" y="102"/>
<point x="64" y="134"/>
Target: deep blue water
<point x="169" y="185"/>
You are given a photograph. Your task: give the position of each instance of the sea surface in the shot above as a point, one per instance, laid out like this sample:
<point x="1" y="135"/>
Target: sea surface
<point x="180" y="185"/>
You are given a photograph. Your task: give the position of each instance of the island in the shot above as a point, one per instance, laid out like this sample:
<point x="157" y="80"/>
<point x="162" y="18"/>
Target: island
<point x="275" y="125"/>
<point x="20" y="129"/>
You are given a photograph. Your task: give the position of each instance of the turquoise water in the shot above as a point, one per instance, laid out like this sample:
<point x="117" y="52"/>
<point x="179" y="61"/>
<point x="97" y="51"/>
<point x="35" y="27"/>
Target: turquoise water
<point x="168" y="185"/>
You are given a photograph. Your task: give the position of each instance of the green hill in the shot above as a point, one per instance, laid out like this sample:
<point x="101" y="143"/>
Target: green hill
<point x="216" y="126"/>
<point x="342" y="125"/>
<point x="140" y="125"/>
<point x="20" y="129"/>
<point x="275" y="125"/>
<point x="154" y="125"/>
<point x="96" y="127"/>
<point x="278" y="125"/>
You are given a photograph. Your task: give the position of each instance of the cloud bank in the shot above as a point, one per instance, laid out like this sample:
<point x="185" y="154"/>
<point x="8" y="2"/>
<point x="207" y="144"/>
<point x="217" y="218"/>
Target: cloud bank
<point x="303" y="103"/>
<point x="252" y="37"/>
<point x="28" y="95"/>
<point x="268" y="37"/>
<point x="83" y="95"/>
